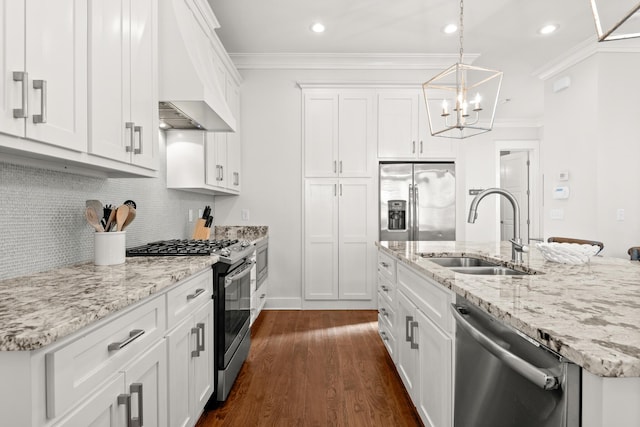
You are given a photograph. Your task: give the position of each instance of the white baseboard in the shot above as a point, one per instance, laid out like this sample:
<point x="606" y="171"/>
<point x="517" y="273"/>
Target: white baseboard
<point x="300" y="304"/>
<point x="283" y="303"/>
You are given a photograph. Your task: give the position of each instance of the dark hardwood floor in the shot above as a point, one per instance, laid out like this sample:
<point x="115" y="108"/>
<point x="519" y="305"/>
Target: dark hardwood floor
<point x="316" y="368"/>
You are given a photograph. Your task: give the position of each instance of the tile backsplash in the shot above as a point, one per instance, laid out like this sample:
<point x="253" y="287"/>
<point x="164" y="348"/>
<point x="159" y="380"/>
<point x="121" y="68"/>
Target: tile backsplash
<point x="42" y="224"/>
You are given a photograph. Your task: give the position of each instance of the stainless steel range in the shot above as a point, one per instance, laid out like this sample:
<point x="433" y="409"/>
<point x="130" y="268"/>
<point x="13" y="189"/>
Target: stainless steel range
<point x="231" y="299"/>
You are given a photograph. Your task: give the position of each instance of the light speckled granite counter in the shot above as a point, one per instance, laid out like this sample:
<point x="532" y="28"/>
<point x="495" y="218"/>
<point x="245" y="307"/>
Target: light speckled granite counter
<point x="241" y="232"/>
<point x="38" y="309"/>
<point x="588" y="313"/>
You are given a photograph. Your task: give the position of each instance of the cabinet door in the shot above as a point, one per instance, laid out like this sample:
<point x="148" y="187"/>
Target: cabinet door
<point x="109" y="84"/>
<point x="12" y="45"/>
<point x="56" y="52"/>
<point x="356" y="148"/>
<point x="321" y="135"/>
<point x="398" y="115"/>
<point x="221" y="158"/>
<point x="100" y="409"/>
<point x="433" y="147"/>
<point x="407" y="356"/>
<point x="234" y="151"/>
<point x="356" y="229"/>
<point x="146" y="381"/>
<point x="435" y="367"/>
<point x="180" y="344"/>
<point x="321" y="239"/>
<point x="203" y="362"/>
<point x="144" y="78"/>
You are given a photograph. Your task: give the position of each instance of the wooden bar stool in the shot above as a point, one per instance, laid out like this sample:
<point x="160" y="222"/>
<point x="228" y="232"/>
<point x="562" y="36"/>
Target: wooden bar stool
<point x="579" y="241"/>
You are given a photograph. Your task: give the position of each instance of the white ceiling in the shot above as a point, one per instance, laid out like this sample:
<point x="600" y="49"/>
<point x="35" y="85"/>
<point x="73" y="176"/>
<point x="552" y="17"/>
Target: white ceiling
<point x="503" y="32"/>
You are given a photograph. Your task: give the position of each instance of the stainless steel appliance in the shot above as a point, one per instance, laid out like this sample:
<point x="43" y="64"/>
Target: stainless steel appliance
<point x="506" y="379"/>
<point x="262" y="261"/>
<point x="231" y="295"/>
<point x="417" y="201"/>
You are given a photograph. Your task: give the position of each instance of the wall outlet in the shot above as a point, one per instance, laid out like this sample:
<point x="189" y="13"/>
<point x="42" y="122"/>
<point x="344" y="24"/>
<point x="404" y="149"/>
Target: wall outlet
<point x="199" y="213"/>
<point x="190" y="215"/>
<point x="245" y="214"/>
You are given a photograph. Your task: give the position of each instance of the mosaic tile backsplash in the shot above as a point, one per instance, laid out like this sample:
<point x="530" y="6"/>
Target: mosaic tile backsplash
<point x="42" y="224"/>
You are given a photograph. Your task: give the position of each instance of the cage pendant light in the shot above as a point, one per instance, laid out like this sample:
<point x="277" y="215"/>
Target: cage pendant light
<point x="616" y="20"/>
<point x="461" y="101"/>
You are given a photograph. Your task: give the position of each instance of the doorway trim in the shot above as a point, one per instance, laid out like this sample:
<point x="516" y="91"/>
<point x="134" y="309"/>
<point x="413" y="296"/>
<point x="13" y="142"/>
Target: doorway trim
<point x="535" y="182"/>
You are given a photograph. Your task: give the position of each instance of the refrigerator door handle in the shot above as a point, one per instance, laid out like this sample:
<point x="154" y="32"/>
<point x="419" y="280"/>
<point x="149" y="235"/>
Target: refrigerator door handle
<point x="416" y="225"/>
<point x="411" y="210"/>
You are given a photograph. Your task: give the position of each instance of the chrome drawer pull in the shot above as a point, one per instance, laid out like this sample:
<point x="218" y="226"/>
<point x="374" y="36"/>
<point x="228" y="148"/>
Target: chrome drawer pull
<point x="201" y="345"/>
<point x="138" y="130"/>
<point x="384" y="312"/>
<point x="42" y="117"/>
<point x="23" y="112"/>
<point x="137" y="388"/>
<point x="414" y="345"/>
<point x="384" y="264"/>
<point x="125" y="399"/>
<point x="384" y="288"/>
<point x="195" y="294"/>
<point x="408" y="336"/>
<point x="384" y="336"/>
<point x="133" y="335"/>
<point x="131" y="127"/>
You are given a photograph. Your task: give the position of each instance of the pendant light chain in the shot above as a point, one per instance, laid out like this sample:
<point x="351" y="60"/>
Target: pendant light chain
<point x="461" y="29"/>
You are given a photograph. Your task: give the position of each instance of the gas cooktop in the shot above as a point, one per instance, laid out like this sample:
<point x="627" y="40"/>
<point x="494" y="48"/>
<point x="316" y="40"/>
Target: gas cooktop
<point x="177" y="247"/>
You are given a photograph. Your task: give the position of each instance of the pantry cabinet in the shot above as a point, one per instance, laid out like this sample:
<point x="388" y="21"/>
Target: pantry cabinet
<point x="339" y="234"/>
<point x="403" y="129"/>
<point x="123" y="89"/>
<point x="339" y="134"/>
<point x="44" y="72"/>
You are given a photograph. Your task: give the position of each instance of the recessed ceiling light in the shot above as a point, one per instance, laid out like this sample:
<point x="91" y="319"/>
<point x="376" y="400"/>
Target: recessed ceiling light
<point x="548" y="29"/>
<point x="317" y="27"/>
<point x="450" y="29"/>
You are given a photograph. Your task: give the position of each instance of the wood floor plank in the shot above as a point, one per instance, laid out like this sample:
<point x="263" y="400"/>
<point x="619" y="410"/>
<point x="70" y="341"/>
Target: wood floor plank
<point x="316" y="368"/>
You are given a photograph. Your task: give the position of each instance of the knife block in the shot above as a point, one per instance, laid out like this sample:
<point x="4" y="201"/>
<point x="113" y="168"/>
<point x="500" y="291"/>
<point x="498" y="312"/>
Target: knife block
<point x="200" y="232"/>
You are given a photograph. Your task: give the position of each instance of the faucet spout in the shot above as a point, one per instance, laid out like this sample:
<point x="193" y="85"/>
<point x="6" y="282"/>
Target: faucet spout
<point x="516" y="243"/>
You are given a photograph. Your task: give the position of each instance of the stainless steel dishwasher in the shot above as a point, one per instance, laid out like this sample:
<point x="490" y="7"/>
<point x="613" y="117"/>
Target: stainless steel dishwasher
<point x="505" y="379"/>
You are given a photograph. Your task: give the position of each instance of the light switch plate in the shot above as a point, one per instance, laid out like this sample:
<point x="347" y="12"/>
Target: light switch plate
<point x="245" y="214"/>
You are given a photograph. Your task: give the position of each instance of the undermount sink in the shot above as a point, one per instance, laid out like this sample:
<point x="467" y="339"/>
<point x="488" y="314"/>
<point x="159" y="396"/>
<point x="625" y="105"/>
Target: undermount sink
<point x="463" y="262"/>
<point x="473" y="265"/>
<point x="489" y="271"/>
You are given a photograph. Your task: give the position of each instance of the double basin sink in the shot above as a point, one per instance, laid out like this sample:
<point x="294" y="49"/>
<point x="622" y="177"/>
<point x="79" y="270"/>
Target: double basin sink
<point x="472" y="265"/>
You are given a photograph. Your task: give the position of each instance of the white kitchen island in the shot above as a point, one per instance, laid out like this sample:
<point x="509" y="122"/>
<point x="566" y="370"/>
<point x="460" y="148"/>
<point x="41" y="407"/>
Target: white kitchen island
<point x="588" y="313"/>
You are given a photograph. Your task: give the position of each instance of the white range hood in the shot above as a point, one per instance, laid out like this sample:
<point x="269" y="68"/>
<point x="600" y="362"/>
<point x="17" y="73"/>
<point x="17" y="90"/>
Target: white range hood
<point x="190" y="93"/>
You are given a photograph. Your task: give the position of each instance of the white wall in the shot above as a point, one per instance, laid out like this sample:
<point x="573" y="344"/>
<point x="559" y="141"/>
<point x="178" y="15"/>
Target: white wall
<point x="591" y="131"/>
<point x="272" y="168"/>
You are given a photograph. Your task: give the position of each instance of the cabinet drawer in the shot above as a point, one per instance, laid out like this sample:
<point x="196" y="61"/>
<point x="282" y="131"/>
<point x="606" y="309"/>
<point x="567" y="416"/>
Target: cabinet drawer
<point x="430" y="297"/>
<point x="387" y="337"/>
<point x="74" y="370"/>
<point x="386" y="288"/>
<point x="386" y="312"/>
<point x="387" y="266"/>
<point x="189" y="295"/>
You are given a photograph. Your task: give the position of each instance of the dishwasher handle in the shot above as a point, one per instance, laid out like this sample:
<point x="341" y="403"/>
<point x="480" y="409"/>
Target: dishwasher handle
<point x="534" y="374"/>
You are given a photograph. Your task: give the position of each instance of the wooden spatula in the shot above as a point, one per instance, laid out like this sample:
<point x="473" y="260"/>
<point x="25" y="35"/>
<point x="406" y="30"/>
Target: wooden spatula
<point x="93" y="219"/>
<point x="121" y="216"/>
<point x="130" y="217"/>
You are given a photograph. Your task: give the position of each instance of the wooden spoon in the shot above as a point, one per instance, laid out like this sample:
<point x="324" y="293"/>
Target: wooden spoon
<point x="92" y="219"/>
<point x="130" y="217"/>
<point x="121" y="216"/>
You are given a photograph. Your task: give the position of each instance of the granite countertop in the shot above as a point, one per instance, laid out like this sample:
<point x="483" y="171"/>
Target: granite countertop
<point x="38" y="309"/>
<point x="588" y="313"/>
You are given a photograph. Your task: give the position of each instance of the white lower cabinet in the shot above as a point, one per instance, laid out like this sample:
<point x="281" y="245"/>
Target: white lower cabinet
<point x="424" y="335"/>
<point x="190" y="349"/>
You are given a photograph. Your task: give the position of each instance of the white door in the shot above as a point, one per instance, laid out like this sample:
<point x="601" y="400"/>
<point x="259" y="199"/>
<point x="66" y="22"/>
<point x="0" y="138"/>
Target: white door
<point x="204" y="361"/>
<point x="12" y="60"/>
<point x="321" y="239"/>
<point x="407" y="356"/>
<point x="398" y="117"/>
<point x="436" y="394"/>
<point x="356" y="229"/>
<point x="514" y="177"/>
<point x="146" y="381"/>
<point x="355" y="123"/>
<point x="180" y="343"/>
<point x="101" y="409"/>
<point x="321" y="135"/>
<point x="56" y="54"/>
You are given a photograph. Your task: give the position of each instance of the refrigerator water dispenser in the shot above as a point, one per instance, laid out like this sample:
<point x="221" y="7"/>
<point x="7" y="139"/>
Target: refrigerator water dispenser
<point x="397" y="215"/>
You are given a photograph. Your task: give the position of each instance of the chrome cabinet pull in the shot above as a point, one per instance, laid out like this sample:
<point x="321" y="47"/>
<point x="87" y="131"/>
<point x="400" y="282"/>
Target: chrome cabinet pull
<point x="341" y="189"/>
<point x="384" y="312"/>
<point x="340" y="166"/>
<point x="196" y="352"/>
<point x="195" y="294"/>
<point x="420" y="147"/>
<point x="23" y="111"/>
<point x="384" y="336"/>
<point x="138" y="130"/>
<point x="125" y="399"/>
<point x="414" y="345"/>
<point x="130" y="126"/>
<point x="408" y="320"/>
<point x="200" y="327"/>
<point x="236" y="178"/>
<point x="384" y="264"/>
<point x="384" y="288"/>
<point x="263" y="296"/>
<point x="413" y="150"/>
<point x="136" y="388"/>
<point x="335" y="189"/>
<point x="42" y="86"/>
<point x="221" y="172"/>
<point x="133" y="335"/>
<point x="334" y="167"/>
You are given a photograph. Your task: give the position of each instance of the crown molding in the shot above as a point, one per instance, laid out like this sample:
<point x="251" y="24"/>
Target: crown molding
<point x="582" y="51"/>
<point x="346" y="61"/>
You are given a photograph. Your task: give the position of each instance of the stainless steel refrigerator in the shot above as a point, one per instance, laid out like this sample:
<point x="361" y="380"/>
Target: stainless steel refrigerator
<point x="417" y="201"/>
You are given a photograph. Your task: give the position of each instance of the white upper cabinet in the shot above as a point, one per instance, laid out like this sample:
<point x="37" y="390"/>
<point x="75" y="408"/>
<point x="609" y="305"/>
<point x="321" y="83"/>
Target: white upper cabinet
<point x="44" y="68"/>
<point x="123" y="81"/>
<point x="338" y="134"/>
<point x="403" y="129"/>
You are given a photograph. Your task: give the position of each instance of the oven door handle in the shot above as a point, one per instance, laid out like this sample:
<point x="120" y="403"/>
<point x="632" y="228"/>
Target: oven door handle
<point x="534" y="374"/>
<point x="246" y="270"/>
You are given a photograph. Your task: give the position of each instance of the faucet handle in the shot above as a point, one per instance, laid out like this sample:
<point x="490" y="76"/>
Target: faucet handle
<point x="519" y="246"/>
